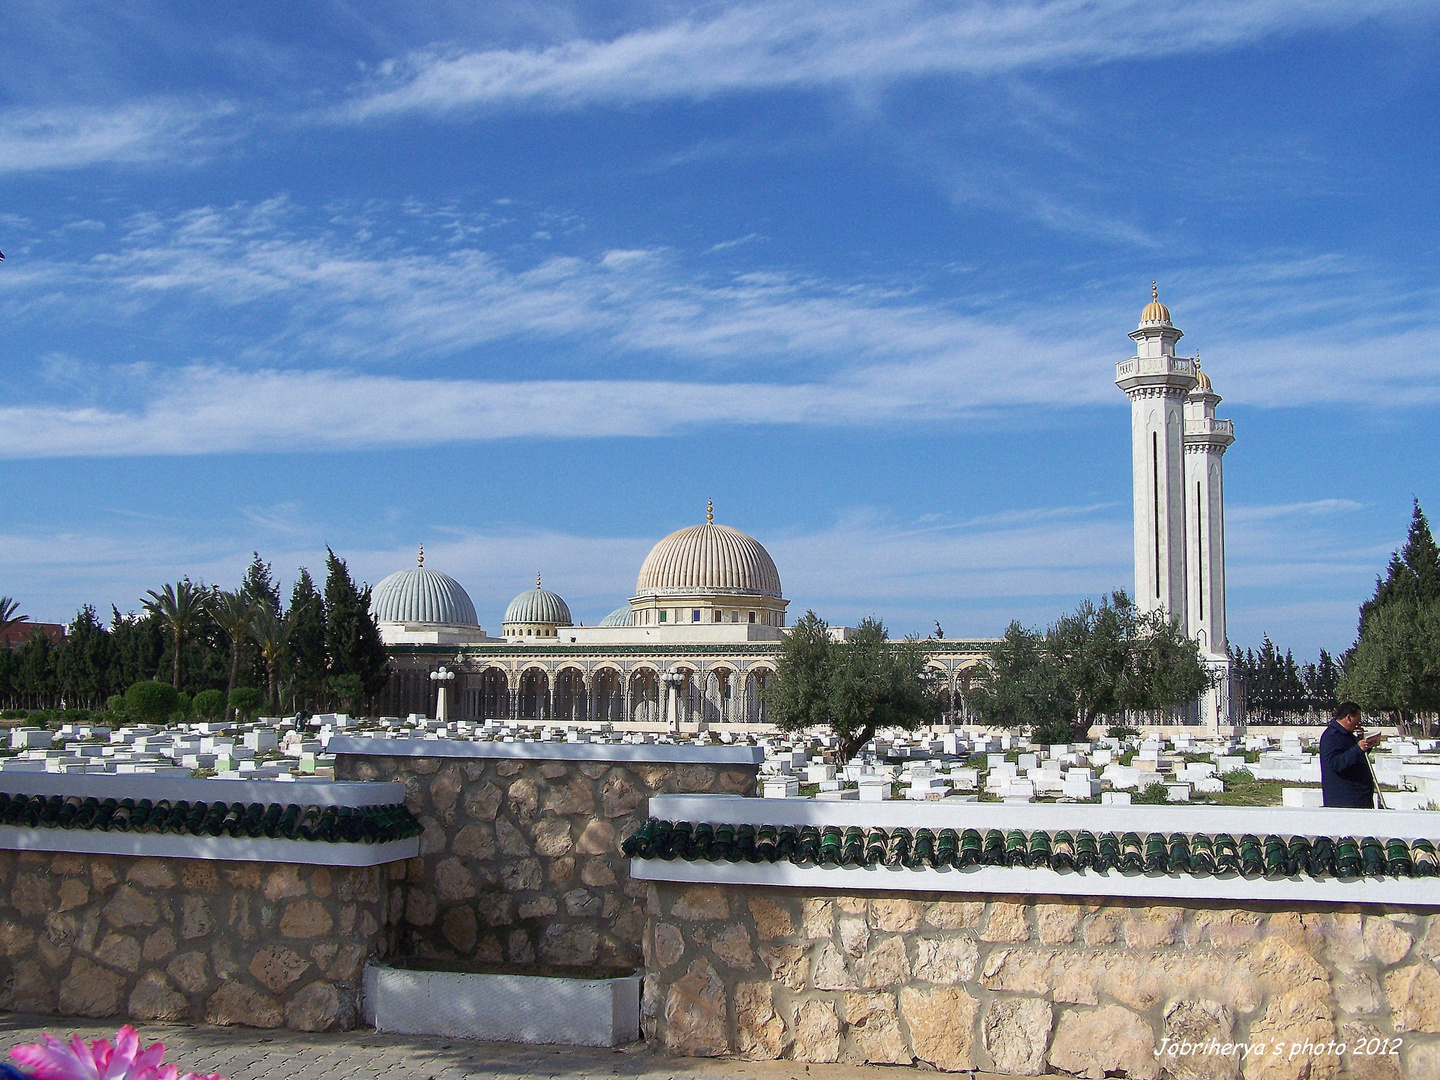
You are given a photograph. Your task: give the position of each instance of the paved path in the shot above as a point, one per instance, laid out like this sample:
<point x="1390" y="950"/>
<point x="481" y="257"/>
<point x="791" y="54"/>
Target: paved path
<point x="248" y="1054"/>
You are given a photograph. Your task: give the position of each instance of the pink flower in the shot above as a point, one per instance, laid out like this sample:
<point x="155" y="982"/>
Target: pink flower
<point x="56" y="1060"/>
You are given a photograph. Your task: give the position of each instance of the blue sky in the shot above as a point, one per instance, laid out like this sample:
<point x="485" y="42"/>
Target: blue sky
<point x="529" y="282"/>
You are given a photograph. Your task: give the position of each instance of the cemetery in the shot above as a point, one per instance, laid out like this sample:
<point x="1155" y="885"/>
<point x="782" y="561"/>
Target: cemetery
<point x="943" y="762"/>
<point x="952" y="897"/>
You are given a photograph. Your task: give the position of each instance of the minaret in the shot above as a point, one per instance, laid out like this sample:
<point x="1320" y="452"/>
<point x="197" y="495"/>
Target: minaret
<point x="1206" y="440"/>
<point x="1157" y="381"/>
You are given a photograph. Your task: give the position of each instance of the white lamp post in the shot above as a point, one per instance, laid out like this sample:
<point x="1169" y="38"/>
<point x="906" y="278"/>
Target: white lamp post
<point x="442" y="678"/>
<point x="672" y="680"/>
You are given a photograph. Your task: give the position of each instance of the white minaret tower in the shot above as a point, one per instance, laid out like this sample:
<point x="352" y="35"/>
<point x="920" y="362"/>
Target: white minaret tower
<point x="1206" y="440"/>
<point x="1157" y="381"/>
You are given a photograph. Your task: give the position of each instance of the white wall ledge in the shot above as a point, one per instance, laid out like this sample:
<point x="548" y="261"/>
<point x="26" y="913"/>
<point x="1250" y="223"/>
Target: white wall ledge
<point x="223" y="848"/>
<point x="547" y="751"/>
<point x="139" y="786"/>
<point x="1235" y="820"/>
<point x="1019" y="881"/>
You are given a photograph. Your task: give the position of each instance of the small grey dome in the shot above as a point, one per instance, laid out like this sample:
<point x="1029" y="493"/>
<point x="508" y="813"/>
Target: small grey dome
<point x="538" y="605"/>
<point x="418" y="595"/>
<point x="621" y="616"/>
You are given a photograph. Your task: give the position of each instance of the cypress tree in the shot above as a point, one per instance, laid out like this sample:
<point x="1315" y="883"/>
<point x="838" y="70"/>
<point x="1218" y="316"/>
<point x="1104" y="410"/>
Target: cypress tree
<point x="303" y="659"/>
<point x="138" y="644"/>
<point x="260" y="589"/>
<point x="1394" y="665"/>
<point x="84" y="660"/>
<point x="356" y="656"/>
<point x="36" y="675"/>
<point x="1413" y="573"/>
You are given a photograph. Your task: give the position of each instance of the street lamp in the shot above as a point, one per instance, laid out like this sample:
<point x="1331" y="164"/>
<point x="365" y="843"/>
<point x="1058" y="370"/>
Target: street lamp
<point x="672" y="680"/>
<point x="442" y="677"/>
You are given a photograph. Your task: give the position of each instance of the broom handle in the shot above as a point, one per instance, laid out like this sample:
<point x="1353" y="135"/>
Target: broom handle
<point x="1374" y="780"/>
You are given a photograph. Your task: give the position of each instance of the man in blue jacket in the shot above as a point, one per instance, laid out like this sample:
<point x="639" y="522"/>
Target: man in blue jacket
<point x="1345" y="776"/>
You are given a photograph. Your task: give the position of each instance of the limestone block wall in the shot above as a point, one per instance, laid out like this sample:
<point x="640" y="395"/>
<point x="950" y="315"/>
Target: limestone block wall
<point x="1029" y="985"/>
<point x="267" y="944"/>
<point x="520" y="859"/>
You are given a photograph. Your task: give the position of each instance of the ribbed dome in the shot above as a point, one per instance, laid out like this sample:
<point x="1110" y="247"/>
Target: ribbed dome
<point x="1202" y="381"/>
<point x="538" y="605"/>
<point x="621" y="616"/>
<point x="418" y="595"/>
<point x="1155" y="312"/>
<point x="705" y="558"/>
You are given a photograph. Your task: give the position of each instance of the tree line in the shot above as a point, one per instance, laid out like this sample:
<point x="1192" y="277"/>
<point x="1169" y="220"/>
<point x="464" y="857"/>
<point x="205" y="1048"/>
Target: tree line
<point x="1101" y="661"/>
<point x="321" y="651"/>
<point x="1277" y="688"/>
<point x="1110" y="662"/>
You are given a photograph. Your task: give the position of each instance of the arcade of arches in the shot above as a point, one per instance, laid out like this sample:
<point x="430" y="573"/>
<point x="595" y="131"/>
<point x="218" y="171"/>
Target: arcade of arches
<point x="671" y="687"/>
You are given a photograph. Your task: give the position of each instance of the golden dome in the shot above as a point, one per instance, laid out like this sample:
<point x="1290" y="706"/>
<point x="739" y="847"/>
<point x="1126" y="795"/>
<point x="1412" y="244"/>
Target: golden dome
<point x="708" y="558"/>
<point x="1202" y="381"/>
<point x="1155" y="312"/>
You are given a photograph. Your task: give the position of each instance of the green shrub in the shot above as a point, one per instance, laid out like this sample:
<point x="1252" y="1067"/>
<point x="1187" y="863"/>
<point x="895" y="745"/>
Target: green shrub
<point x="150" y="702"/>
<point x="209" y="704"/>
<point x="246" y="701"/>
<point x="115" y="704"/>
<point x="1153" y="793"/>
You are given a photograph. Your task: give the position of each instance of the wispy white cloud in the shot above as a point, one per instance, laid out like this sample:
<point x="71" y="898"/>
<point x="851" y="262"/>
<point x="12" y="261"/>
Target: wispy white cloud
<point x="639" y="340"/>
<point x="1313" y="508"/>
<point x="76" y="136"/>
<point x="782" y="45"/>
<point x="216" y="410"/>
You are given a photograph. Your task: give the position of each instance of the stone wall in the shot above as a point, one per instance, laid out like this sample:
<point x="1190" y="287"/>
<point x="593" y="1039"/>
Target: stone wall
<point x="520" y="860"/>
<point x="259" y="943"/>
<point x="1027" y="985"/>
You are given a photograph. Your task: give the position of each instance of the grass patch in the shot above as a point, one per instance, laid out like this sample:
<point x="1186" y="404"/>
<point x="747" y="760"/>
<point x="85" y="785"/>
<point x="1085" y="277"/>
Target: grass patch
<point x="1242" y="789"/>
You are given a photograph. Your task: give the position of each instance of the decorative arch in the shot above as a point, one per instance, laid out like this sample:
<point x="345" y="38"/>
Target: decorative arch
<point x="493" y="683"/>
<point x="643" y="693"/>
<point x="608" y="693"/>
<point x="535" y="700"/>
<point x="571" y="697"/>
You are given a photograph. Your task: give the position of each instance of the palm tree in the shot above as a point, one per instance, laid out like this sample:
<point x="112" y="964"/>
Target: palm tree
<point x="180" y="607"/>
<point x="8" y="618"/>
<point x="233" y="613"/>
<point x="269" y="632"/>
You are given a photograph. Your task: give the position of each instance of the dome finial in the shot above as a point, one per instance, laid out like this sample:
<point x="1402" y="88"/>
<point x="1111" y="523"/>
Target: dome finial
<point x="420" y="559"/>
<point x="1154" y="290"/>
<point x="537" y="579"/>
<point x="709" y="511"/>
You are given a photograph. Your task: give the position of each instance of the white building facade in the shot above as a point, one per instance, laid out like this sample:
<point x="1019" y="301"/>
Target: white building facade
<point x="691" y="650"/>
<point x="1177" y="447"/>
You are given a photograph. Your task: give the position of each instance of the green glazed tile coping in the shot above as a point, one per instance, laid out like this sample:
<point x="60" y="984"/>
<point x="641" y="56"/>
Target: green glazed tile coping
<point x="1249" y="855"/>
<point x="238" y="820"/>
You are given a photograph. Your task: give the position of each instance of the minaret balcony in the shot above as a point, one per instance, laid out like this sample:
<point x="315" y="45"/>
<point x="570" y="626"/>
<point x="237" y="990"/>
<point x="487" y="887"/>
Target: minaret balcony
<point x="1176" y="372"/>
<point x="1210" y="432"/>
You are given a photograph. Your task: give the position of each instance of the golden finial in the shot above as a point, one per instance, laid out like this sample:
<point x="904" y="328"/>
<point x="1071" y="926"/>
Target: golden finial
<point x="1154" y="290"/>
<point x="709" y="511"/>
<point x="421" y="557"/>
<point x="537" y="579"/>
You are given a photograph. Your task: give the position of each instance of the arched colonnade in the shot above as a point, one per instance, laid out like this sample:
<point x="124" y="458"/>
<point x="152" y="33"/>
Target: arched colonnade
<point x="683" y="692"/>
